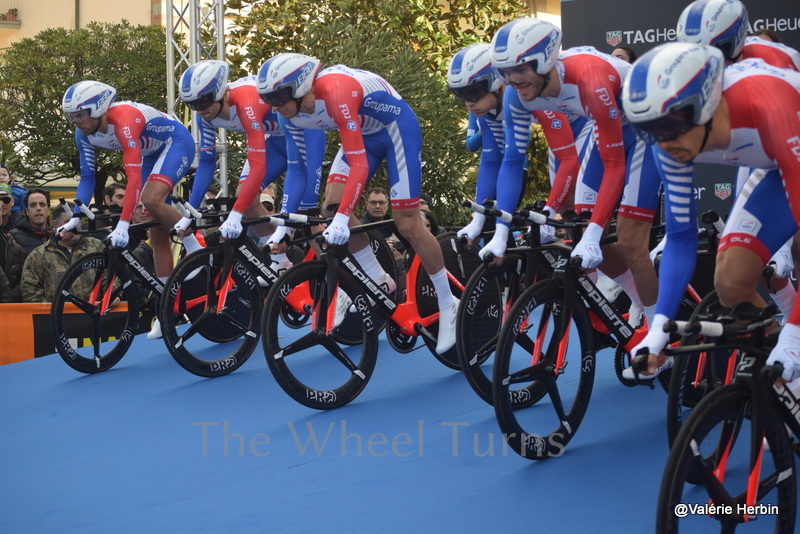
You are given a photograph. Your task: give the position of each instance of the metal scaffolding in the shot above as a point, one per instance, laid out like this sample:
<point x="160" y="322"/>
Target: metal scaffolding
<point x="195" y="31"/>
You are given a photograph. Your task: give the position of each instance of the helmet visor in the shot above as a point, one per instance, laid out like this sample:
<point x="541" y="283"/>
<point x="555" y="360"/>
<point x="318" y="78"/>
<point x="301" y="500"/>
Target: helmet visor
<point x="470" y="93"/>
<point x="202" y="103"/>
<point x="278" y="98"/>
<point x="666" y="128"/>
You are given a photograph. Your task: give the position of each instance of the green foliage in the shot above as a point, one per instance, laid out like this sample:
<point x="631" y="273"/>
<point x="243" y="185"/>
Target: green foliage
<point x="407" y="42"/>
<point x="35" y="73"/>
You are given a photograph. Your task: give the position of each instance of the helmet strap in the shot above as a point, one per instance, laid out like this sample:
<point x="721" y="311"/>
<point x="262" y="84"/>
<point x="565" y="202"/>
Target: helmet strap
<point x="499" y="109"/>
<point x="544" y="85"/>
<point x="705" y="137"/>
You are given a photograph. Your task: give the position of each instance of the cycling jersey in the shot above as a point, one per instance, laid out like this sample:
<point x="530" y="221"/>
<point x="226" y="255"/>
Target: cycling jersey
<point x="591" y="88"/>
<point x="266" y="151"/>
<point x="764" y="105"/>
<point x="153" y="144"/>
<point x="374" y="124"/>
<point x="776" y="54"/>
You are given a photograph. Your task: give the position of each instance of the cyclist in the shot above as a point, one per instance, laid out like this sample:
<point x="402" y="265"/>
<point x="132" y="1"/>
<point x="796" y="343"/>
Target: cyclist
<point x="374" y="124"/>
<point x="236" y="106"/>
<point x="157" y="150"/>
<point x="584" y="82"/>
<point x="723" y="24"/>
<point x="472" y="80"/>
<point x="676" y="96"/>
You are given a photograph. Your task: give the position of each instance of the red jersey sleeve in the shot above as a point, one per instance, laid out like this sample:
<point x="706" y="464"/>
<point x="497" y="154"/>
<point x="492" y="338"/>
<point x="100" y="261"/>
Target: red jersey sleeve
<point x="343" y="96"/>
<point x="129" y="123"/>
<point x="252" y="111"/>
<point x="561" y="141"/>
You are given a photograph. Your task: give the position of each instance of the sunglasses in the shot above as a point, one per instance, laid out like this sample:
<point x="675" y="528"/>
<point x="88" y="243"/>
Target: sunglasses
<point x="202" y="103"/>
<point x="5" y="200"/>
<point x="470" y="93"/>
<point x="667" y="128"/>
<point x="278" y="98"/>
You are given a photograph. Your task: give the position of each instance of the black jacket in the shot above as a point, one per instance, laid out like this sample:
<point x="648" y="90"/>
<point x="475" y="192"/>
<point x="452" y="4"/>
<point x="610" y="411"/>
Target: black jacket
<point x="29" y="237"/>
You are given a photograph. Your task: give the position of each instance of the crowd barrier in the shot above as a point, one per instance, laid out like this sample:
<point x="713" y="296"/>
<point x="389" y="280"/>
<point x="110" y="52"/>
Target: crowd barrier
<point x="26" y="331"/>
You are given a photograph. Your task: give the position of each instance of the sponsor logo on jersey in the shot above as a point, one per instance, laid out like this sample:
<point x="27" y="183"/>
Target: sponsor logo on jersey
<point x="132" y="143"/>
<point x="556" y="124"/>
<point x="256" y="125"/>
<point x="351" y="125"/>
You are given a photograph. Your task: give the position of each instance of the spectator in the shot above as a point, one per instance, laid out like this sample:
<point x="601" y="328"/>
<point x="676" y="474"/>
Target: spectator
<point x="5" y="288"/>
<point x="45" y="266"/>
<point x="6" y="203"/>
<point x="32" y="230"/>
<point x="114" y="197"/>
<point x="624" y="53"/>
<point x="767" y="35"/>
<point x="377" y="201"/>
<point x="16" y="190"/>
<point x="425" y="202"/>
<point x="430" y="222"/>
<point x="11" y="259"/>
<point x="268" y="198"/>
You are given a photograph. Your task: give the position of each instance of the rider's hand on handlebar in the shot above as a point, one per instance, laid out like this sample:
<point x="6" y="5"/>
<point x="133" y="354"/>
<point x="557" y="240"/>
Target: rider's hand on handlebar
<point x="497" y="245"/>
<point x="119" y="237"/>
<point x="589" y="247"/>
<point x="338" y="232"/>
<point x="232" y="227"/>
<point x="70" y="225"/>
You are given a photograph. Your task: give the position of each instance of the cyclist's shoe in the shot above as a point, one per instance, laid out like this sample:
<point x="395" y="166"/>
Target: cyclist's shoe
<point x="155" y="332"/>
<point x="447" y="328"/>
<point x="628" y="373"/>
<point x="343" y="303"/>
<point x="280" y="265"/>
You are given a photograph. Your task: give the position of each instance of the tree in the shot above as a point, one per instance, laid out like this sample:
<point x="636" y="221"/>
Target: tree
<point x="35" y="73"/>
<point x="409" y="43"/>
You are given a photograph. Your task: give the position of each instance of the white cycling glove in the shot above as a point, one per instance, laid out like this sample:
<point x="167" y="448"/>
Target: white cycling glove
<point x="497" y="245"/>
<point x="783" y="261"/>
<point x="338" y="232"/>
<point x="278" y="235"/>
<point x="232" y="227"/>
<point x="183" y="224"/>
<point x="588" y="248"/>
<point x="473" y="229"/>
<point x="787" y="352"/>
<point x="119" y="237"/>
<point x="70" y="225"/>
<point x="656" y="339"/>
<point x="547" y="234"/>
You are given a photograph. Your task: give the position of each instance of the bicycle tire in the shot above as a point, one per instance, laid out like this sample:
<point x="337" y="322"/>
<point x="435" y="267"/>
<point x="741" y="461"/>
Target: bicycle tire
<point x="489" y="293"/>
<point x="313" y="368"/>
<point x="460" y="263"/>
<point x="539" y="310"/>
<point x="234" y="329"/>
<point x="683" y="393"/>
<point x="71" y="329"/>
<point x="719" y="423"/>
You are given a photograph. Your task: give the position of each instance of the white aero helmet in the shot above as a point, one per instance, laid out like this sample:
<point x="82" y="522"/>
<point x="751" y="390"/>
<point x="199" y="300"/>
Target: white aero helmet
<point x="89" y="95"/>
<point x="673" y="88"/>
<point x="286" y="76"/>
<point x="720" y="23"/>
<point x="526" y="40"/>
<point x="204" y="83"/>
<point x="470" y="75"/>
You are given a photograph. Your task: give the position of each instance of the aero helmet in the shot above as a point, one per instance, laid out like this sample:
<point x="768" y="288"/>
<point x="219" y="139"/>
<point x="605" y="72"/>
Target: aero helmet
<point x="673" y="88"/>
<point x="720" y="23"/>
<point x="286" y="76"/>
<point x="470" y="74"/>
<point x="204" y="83"/>
<point x="96" y="97"/>
<point x="526" y="40"/>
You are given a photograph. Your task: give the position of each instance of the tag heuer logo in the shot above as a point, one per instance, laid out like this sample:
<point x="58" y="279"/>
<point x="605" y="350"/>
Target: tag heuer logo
<point x="723" y="191"/>
<point x="614" y="38"/>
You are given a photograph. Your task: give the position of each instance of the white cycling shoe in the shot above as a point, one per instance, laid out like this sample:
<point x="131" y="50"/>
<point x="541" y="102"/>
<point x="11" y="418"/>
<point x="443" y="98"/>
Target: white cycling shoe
<point x="155" y="332"/>
<point x="629" y="375"/>
<point x="447" y="328"/>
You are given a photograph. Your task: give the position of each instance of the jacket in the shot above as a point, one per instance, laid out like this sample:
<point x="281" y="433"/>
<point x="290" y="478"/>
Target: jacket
<point x="29" y="237"/>
<point x="12" y="257"/>
<point x="45" y="266"/>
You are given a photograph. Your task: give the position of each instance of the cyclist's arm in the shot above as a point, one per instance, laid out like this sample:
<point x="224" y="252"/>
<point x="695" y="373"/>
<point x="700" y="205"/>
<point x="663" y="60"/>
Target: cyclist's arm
<point x="86" y="155"/>
<point x="598" y="92"/>
<point x="129" y="123"/>
<point x="517" y="126"/>
<point x="680" y="252"/>
<point x="256" y="157"/>
<point x="561" y="141"/>
<point x="777" y="127"/>
<point x="491" y="159"/>
<point x="306" y="183"/>
<point x="343" y="96"/>
<point x="206" y="163"/>
<point x="474" y="137"/>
